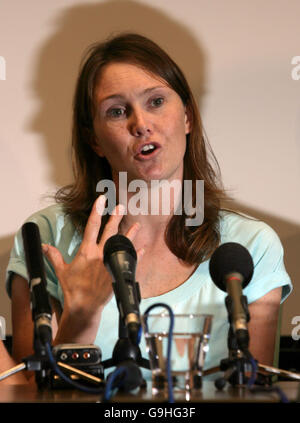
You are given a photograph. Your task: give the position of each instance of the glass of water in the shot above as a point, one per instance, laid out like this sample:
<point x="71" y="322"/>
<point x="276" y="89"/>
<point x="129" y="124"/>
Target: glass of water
<point x="189" y="345"/>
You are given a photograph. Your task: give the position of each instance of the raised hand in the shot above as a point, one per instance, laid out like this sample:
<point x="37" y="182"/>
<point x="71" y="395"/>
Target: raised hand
<point x="85" y="282"/>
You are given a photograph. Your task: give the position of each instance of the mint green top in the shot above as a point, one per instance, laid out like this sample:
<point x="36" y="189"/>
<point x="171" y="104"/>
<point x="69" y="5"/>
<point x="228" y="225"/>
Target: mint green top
<point x="197" y="295"/>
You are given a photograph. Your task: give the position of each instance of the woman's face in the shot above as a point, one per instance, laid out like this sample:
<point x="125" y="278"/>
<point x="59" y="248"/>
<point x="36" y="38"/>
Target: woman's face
<point x="140" y="124"/>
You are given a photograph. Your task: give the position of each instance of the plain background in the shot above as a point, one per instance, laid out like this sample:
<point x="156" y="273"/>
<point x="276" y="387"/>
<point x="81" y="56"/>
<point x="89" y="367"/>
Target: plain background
<point x="237" y="55"/>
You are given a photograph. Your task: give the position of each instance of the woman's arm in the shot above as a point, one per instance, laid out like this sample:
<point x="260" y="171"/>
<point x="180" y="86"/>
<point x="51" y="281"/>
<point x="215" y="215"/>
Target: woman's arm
<point x="22" y="325"/>
<point x="263" y="326"/>
<point x="7" y="363"/>
<point x="85" y="282"/>
<point x="22" y="328"/>
<point x="86" y="286"/>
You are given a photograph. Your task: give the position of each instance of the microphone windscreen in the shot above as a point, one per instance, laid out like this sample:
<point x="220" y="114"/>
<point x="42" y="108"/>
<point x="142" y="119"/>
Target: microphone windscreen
<point x="32" y="249"/>
<point x="229" y="258"/>
<point x="118" y="243"/>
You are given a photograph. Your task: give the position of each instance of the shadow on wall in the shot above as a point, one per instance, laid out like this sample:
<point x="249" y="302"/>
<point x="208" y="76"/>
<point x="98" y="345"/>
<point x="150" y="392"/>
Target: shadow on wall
<point x="53" y="85"/>
<point x="59" y="57"/>
<point x="55" y="73"/>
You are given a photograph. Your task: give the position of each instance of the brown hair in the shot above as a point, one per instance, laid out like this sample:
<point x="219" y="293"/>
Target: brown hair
<point x="192" y="244"/>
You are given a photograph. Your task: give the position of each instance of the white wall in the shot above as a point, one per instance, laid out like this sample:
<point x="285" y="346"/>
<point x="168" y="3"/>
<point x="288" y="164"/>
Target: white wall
<point x="237" y="55"/>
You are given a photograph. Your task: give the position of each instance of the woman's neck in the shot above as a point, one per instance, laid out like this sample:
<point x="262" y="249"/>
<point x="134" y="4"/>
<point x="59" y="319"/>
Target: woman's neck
<point x="151" y="203"/>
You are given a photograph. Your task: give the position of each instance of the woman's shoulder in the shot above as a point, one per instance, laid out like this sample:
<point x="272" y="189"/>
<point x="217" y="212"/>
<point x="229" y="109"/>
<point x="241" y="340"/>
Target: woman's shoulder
<point x="265" y="248"/>
<point x="253" y="233"/>
<point x="51" y="213"/>
<point x="235" y="223"/>
<point x="52" y="221"/>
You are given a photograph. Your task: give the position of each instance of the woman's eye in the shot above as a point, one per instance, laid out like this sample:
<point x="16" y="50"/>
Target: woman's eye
<point x="115" y="112"/>
<point x="156" y="102"/>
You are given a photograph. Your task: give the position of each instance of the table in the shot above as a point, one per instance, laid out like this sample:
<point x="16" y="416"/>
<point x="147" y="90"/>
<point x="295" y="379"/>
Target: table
<point x="208" y="394"/>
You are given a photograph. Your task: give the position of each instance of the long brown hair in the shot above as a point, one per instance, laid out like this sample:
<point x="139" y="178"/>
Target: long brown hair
<point x="192" y="244"/>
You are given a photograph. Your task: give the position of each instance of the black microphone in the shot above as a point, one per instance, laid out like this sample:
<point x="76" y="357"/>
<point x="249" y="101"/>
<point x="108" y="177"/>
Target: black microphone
<point x="40" y="302"/>
<point x="231" y="268"/>
<point x="120" y="259"/>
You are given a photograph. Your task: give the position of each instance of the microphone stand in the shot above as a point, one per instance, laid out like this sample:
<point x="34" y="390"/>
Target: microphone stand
<point x="41" y="361"/>
<point x="238" y="363"/>
<point x="235" y="366"/>
<point x="126" y="352"/>
<point x="37" y="362"/>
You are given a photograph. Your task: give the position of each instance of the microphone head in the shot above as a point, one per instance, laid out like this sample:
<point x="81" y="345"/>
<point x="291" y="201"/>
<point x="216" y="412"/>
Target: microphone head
<point x="119" y="257"/>
<point x="230" y="257"/>
<point x="118" y="243"/>
<point x="32" y="248"/>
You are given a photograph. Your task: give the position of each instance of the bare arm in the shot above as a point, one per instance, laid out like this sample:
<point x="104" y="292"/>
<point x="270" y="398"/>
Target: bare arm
<point x="86" y="286"/>
<point x="22" y="328"/>
<point x="85" y="282"/>
<point x="7" y="363"/>
<point x="263" y="326"/>
<point x="22" y="331"/>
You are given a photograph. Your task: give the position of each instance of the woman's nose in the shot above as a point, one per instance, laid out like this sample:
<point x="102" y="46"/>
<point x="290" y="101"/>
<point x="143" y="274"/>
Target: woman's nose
<point x="140" y="125"/>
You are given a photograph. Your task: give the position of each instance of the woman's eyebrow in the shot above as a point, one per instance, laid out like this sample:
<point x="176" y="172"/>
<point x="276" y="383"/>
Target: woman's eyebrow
<point x="121" y="96"/>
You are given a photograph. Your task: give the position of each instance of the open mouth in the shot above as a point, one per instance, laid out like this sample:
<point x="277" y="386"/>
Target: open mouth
<point x="147" y="150"/>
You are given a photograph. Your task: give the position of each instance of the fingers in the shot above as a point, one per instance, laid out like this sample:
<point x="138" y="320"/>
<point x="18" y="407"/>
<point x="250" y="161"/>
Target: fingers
<point x="112" y="225"/>
<point x="140" y="253"/>
<point x="133" y="230"/>
<point x="111" y="228"/>
<point x="94" y="221"/>
<point x="54" y="256"/>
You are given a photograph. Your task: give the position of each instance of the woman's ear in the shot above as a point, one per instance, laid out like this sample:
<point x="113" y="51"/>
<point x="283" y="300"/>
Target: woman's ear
<point x="188" y="120"/>
<point x="96" y="146"/>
